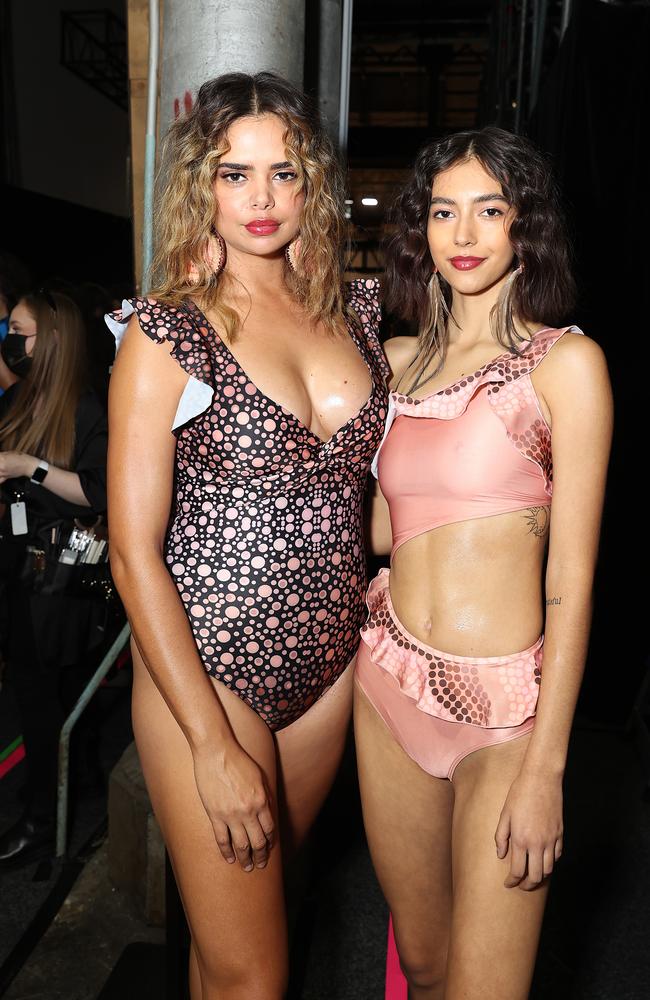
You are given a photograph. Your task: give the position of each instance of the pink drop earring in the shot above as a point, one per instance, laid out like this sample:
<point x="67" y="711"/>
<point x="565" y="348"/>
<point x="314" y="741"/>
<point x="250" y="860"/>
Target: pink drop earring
<point x="214" y="256"/>
<point x="292" y="253"/>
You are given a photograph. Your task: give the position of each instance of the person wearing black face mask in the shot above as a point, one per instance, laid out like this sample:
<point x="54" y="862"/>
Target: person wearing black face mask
<point x="14" y="354"/>
<point x="53" y="443"/>
<point x="18" y="344"/>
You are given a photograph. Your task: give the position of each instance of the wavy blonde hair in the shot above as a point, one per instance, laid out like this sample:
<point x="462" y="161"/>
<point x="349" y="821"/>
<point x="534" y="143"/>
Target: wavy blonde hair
<point x="187" y="206"/>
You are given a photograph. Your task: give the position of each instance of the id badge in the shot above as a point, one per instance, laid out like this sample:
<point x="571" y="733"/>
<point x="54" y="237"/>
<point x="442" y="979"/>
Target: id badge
<point x="19" y="518"/>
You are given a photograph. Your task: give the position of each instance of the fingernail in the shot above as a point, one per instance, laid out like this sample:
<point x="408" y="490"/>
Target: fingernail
<point x="261" y="864"/>
<point x="248" y="868"/>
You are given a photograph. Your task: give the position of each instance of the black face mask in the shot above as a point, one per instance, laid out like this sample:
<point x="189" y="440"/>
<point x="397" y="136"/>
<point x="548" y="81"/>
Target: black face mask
<point x="14" y="356"/>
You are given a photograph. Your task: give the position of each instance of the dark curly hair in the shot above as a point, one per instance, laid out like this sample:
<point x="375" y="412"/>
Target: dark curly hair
<point x="543" y="292"/>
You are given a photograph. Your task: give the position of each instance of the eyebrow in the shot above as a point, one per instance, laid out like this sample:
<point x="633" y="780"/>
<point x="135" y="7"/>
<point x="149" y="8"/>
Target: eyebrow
<point x="495" y="196"/>
<point x="248" y="166"/>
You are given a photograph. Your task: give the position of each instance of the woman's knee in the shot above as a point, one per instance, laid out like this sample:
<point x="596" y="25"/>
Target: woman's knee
<point x="425" y="968"/>
<point x="240" y="977"/>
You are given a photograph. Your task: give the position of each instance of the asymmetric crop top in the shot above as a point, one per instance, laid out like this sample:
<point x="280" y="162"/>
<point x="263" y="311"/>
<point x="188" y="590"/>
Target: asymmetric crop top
<point x="485" y="448"/>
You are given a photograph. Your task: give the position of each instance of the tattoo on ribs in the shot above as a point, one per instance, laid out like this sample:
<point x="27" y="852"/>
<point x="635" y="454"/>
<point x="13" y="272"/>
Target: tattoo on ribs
<point x="553" y="600"/>
<point x="537" y="520"/>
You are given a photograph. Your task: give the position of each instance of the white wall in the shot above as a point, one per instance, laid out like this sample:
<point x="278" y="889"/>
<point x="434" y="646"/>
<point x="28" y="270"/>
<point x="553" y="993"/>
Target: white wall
<point x="72" y="141"/>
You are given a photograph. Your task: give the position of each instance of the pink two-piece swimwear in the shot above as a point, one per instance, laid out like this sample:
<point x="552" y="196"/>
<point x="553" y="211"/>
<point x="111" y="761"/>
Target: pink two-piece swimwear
<point x="474" y="449"/>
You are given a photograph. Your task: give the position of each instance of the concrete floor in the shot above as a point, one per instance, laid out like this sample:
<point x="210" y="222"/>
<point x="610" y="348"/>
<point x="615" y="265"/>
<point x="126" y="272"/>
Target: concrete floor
<point x="77" y="954"/>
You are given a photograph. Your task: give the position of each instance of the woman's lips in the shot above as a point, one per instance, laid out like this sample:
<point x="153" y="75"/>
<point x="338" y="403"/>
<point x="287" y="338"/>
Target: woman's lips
<point x="466" y="263"/>
<point x="262" y="227"/>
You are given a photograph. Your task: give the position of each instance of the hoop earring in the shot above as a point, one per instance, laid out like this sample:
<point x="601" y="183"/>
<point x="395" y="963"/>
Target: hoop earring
<point x="214" y="256"/>
<point x="215" y="253"/>
<point x="292" y="253"/>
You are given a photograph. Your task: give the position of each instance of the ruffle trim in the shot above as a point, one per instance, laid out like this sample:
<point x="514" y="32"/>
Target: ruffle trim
<point x="489" y="692"/>
<point x="165" y="323"/>
<point x="450" y="402"/>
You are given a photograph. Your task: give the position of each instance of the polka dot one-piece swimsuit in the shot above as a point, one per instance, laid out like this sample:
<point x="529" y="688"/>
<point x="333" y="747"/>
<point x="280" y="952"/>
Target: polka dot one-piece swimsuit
<point x="265" y="542"/>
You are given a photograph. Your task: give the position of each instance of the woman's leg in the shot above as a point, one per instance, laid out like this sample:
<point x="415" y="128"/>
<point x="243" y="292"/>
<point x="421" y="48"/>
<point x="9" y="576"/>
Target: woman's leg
<point x="408" y="819"/>
<point x="309" y="755"/>
<point x="494" y="931"/>
<point x="236" y="919"/>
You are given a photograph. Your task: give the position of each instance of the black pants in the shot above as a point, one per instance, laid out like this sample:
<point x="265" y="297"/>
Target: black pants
<point x="45" y="690"/>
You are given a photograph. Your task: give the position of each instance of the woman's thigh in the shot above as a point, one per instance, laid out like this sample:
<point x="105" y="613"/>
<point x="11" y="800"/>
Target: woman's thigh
<point x="408" y="819"/>
<point x="236" y="918"/>
<point x="309" y="755"/>
<point x="495" y="931"/>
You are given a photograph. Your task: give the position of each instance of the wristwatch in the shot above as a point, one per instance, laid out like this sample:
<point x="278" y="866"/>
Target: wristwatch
<point x="40" y="472"/>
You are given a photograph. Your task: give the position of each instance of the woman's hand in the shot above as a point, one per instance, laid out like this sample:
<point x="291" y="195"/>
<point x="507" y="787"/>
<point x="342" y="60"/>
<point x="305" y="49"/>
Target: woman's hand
<point x="234" y="794"/>
<point x="531" y="822"/>
<point x="16" y="463"/>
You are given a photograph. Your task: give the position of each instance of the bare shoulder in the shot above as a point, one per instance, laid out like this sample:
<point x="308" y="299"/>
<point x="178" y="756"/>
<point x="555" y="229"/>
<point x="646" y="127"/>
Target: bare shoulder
<point x="145" y="377"/>
<point x="400" y="352"/>
<point x="576" y="360"/>
<point x="573" y="381"/>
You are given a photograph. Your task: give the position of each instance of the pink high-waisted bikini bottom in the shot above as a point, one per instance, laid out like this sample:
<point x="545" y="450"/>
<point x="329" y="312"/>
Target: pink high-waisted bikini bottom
<point x="438" y="706"/>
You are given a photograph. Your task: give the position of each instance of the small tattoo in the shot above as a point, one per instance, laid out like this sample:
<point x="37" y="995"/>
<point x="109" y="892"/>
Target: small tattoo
<point x="553" y="600"/>
<point x="537" y="520"/>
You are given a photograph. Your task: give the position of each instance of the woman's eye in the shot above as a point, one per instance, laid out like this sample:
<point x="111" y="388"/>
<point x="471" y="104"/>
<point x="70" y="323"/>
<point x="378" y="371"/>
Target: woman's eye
<point x="286" y="175"/>
<point x="233" y="177"/>
<point x="442" y="213"/>
<point x="493" y="213"/>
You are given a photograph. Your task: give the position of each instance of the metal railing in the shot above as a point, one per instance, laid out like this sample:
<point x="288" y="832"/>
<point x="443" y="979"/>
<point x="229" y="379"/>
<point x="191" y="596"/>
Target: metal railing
<point x="66" y="732"/>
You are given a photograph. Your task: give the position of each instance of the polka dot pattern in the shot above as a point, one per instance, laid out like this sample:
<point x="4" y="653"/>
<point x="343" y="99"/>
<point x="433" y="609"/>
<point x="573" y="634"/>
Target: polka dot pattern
<point x="491" y="692"/>
<point x="265" y="543"/>
<point x="510" y="392"/>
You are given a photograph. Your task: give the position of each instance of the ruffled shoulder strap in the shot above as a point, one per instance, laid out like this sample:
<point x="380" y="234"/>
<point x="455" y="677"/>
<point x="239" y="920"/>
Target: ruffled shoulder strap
<point x="507" y="368"/>
<point x="190" y="349"/>
<point x="363" y="297"/>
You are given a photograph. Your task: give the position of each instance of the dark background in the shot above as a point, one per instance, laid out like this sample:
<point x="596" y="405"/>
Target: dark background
<point x="419" y="69"/>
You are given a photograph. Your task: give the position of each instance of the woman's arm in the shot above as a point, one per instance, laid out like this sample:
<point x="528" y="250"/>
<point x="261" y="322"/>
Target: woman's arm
<point x="400" y="352"/>
<point x="146" y="385"/>
<point x="575" y="387"/>
<point x="60" y="481"/>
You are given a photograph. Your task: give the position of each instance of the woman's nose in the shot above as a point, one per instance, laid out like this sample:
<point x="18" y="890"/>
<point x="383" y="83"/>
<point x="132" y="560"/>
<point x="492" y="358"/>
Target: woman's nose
<point x="262" y="198"/>
<point x="465" y="234"/>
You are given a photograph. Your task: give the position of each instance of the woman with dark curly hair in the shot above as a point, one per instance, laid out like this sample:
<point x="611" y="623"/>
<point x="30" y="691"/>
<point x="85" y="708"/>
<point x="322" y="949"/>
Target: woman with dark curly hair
<point x="495" y="406"/>
<point x="246" y="403"/>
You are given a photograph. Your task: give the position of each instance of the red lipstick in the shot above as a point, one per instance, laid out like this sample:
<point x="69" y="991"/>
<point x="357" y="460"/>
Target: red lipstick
<point x="262" y="227"/>
<point x="466" y="263"/>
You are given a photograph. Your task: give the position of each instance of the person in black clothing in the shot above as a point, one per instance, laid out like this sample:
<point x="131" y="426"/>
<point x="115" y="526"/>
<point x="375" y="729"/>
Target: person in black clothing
<point x="53" y="442"/>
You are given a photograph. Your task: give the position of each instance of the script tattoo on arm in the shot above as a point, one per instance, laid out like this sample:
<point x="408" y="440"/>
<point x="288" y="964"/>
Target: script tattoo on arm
<point x="537" y="520"/>
<point x="553" y="600"/>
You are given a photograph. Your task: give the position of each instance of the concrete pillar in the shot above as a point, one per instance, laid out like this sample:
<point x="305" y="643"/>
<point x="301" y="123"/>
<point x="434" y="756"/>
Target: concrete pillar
<point x="204" y="38"/>
<point x="329" y="63"/>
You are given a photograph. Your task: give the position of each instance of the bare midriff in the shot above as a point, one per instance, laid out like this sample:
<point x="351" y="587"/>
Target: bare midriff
<point x="474" y="588"/>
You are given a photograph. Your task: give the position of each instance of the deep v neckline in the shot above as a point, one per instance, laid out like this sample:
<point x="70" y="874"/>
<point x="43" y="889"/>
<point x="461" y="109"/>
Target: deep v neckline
<point x="322" y="442"/>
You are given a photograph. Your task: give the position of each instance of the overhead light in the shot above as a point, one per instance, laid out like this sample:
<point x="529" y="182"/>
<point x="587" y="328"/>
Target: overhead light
<point x="369" y="201"/>
<point x="349" y="201"/>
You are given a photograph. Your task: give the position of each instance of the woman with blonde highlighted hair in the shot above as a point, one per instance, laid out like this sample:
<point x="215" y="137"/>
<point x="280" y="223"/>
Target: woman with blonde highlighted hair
<point x="247" y="400"/>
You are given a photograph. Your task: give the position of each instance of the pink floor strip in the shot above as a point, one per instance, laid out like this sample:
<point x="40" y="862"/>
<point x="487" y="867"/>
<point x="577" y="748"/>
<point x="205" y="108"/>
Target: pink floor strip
<point x="396" y="987"/>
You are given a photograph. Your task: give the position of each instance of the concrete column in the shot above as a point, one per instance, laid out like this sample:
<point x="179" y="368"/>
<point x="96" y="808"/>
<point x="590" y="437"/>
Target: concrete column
<point x="204" y="38"/>
<point x="329" y="63"/>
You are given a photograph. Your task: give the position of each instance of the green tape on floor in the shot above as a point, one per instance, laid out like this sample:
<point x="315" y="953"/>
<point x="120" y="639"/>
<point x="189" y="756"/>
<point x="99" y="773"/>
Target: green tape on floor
<point x="10" y="749"/>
